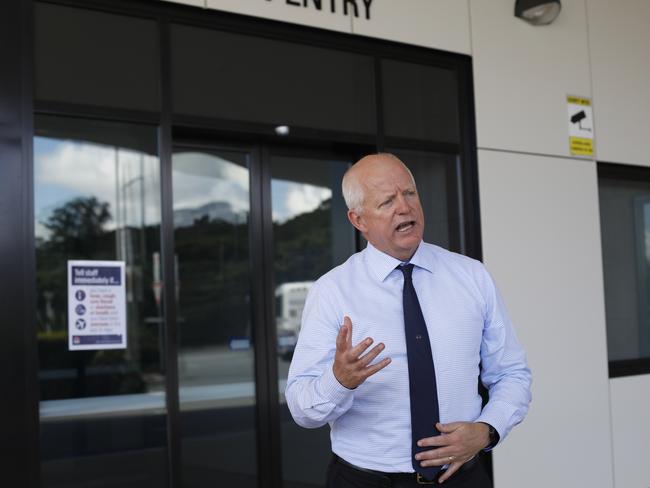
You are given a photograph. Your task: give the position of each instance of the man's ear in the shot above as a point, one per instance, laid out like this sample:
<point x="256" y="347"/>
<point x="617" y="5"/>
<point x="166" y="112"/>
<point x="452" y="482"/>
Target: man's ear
<point x="357" y="221"/>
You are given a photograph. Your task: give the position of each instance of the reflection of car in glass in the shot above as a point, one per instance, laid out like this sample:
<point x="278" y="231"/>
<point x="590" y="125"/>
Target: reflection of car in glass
<point x="289" y="301"/>
<point x="287" y="340"/>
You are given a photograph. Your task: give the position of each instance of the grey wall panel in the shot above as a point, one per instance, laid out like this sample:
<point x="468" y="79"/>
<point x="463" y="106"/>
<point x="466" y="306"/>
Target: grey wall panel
<point x="619" y="40"/>
<point x="631" y="430"/>
<point x="440" y="24"/>
<point x="541" y="241"/>
<point x="523" y="74"/>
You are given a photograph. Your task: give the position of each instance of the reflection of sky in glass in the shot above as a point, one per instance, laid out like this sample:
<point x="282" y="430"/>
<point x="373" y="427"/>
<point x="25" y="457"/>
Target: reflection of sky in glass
<point x="291" y="199"/>
<point x="66" y="169"/>
<point x="202" y="179"/>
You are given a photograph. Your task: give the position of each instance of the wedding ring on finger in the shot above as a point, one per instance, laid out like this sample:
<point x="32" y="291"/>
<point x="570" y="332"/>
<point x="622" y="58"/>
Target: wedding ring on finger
<point x="450" y="458"/>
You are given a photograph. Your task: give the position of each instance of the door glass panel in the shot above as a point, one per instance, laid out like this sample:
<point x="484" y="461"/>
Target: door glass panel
<point x="97" y="197"/>
<point x="311" y="234"/>
<point x="216" y="355"/>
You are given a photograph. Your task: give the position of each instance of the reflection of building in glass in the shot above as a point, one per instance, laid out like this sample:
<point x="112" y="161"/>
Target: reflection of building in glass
<point x="289" y="302"/>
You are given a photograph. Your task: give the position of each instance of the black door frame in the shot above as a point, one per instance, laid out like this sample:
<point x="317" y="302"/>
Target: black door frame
<point x="18" y="346"/>
<point x="269" y="442"/>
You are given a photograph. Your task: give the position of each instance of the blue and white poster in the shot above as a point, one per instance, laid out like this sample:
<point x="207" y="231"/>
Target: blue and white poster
<point x="96" y="305"/>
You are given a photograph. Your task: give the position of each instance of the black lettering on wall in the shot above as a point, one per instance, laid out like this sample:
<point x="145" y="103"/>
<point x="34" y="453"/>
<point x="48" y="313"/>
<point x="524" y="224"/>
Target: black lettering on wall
<point x="333" y="6"/>
<point x="367" y="3"/>
<point x="294" y="2"/>
<point x="354" y="4"/>
<point x="317" y="3"/>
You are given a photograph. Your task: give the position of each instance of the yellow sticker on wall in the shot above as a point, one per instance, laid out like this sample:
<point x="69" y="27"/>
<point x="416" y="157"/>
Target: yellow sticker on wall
<point x="581" y="126"/>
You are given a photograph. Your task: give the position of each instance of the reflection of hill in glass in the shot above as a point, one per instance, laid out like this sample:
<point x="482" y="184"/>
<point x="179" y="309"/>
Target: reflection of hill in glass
<point x="214" y="269"/>
<point x="212" y="250"/>
<point x="212" y="211"/>
<point x="78" y="230"/>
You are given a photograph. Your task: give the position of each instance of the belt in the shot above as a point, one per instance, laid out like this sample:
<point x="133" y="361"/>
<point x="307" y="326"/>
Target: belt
<point x="397" y="480"/>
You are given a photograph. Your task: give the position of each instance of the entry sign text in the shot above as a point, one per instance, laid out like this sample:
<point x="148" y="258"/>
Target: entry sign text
<point x="358" y="8"/>
<point x="96" y="305"/>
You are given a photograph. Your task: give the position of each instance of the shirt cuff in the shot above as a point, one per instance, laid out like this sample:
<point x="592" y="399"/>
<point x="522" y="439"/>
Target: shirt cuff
<point x="498" y="415"/>
<point x="332" y="389"/>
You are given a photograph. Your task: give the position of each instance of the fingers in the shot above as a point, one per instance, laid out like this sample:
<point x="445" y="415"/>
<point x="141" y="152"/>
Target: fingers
<point x="374" y="352"/>
<point x="370" y="370"/>
<point x="453" y="467"/>
<point x="342" y="338"/>
<point x="448" y="428"/>
<point x="348" y="327"/>
<point x="351" y="366"/>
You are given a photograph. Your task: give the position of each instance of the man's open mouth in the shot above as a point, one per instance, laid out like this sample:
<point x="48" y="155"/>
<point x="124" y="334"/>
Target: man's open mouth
<point x="405" y="226"/>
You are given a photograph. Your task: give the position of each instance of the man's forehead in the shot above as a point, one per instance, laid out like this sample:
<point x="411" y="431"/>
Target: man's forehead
<point x="387" y="184"/>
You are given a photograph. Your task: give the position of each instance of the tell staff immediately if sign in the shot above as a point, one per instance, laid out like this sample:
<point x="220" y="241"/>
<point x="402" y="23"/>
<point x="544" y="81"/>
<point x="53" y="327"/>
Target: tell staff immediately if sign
<point x="581" y="126"/>
<point x="96" y="305"/>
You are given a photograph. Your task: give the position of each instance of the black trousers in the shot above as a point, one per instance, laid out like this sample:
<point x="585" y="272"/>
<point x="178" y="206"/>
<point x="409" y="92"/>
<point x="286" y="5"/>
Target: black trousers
<point x="340" y="475"/>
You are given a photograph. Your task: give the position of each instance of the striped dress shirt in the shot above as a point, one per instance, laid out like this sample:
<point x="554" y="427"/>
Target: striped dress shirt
<point x="470" y="333"/>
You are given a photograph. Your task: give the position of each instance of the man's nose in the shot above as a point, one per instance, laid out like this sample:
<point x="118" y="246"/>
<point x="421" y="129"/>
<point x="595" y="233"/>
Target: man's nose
<point x="401" y="205"/>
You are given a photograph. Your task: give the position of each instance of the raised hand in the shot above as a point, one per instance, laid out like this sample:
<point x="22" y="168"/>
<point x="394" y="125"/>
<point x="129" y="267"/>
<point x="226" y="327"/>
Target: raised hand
<point x="350" y="367"/>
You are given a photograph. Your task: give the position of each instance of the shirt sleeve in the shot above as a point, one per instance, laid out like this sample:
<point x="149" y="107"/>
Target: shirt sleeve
<point x="314" y="395"/>
<point x="504" y="369"/>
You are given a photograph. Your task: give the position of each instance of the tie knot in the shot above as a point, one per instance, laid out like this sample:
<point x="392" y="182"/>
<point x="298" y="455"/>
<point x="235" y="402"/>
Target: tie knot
<point x="407" y="269"/>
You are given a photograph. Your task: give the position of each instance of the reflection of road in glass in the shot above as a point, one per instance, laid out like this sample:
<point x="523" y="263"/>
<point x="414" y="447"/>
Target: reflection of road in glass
<point x="218" y="377"/>
<point x="218" y="365"/>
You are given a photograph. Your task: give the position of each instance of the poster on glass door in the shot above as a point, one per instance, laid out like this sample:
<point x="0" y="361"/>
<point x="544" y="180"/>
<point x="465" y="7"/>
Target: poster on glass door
<point x="96" y="305"/>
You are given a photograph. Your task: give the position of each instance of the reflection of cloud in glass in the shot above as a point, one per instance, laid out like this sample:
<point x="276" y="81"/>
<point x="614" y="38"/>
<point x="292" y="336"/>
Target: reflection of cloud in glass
<point x="291" y="199"/>
<point x="126" y="179"/>
<point x="201" y="179"/>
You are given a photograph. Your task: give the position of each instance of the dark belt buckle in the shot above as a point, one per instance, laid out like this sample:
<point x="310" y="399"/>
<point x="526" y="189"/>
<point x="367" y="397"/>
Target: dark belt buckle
<point x="423" y="481"/>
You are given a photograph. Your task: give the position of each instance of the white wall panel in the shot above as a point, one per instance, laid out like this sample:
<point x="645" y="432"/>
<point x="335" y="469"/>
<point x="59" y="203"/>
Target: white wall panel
<point x="619" y="36"/>
<point x="440" y="24"/>
<point x="631" y="428"/>
<point x="286" y="12"/>
<point x="541" y="241"/>
<point x="522" y="75"/>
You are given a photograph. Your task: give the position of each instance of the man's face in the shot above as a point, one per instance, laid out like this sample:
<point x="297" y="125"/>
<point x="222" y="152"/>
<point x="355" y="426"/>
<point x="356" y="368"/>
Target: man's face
<point x="392" y="218"/>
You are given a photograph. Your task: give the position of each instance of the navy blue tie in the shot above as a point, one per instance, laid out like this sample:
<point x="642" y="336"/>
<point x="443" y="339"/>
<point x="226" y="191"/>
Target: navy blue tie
<point x="422" y="376"/>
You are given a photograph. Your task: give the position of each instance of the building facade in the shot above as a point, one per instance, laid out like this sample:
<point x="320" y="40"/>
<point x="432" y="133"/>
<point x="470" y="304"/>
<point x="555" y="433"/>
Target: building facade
<point x="201" y="143"/>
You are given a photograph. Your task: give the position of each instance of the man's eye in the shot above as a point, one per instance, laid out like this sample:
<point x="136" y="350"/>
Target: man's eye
<point x="386" y="202"/>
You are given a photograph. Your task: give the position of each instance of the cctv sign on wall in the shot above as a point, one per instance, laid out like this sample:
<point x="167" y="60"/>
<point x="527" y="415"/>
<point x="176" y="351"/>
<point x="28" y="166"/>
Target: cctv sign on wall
<point x="581" y="126"/>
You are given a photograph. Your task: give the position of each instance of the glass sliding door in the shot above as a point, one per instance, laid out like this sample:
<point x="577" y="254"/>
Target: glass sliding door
<point x="311" y="234"/>
<point x="102" y="410"/>
<point x="213" y="286"/>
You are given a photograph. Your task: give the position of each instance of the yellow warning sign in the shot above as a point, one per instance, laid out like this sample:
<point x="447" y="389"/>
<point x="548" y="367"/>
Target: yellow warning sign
<point x="579" y="101"/>
<point x="581" y="146"/>
<point x="581" y="126"/>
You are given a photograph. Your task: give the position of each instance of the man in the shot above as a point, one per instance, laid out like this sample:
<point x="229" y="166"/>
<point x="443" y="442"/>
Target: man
<point x="437" y="321"/>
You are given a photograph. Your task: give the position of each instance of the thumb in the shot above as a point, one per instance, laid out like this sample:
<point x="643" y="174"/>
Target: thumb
<point x="448" y="428"/>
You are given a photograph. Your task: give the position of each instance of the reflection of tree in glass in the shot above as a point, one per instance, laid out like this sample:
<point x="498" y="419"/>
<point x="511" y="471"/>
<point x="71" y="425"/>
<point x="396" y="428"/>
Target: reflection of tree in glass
<point x="77" y="224"/>
<point x="303" y="245"/>
<point x="78" y="229"/>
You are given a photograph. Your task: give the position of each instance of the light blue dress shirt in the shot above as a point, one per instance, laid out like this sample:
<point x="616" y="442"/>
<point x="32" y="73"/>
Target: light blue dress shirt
<point x="467" y="324"/>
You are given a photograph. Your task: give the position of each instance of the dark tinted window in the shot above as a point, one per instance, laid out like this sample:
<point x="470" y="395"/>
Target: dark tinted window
<point x="625" y="232"/>
<point x="420" y="102"/>
<point x="236" y="77"/>
<point x="95" y="58"/>
<point x="97" y="197"/>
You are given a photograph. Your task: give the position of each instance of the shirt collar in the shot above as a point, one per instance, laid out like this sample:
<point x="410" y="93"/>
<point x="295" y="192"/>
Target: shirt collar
<point x="382" y="264"/>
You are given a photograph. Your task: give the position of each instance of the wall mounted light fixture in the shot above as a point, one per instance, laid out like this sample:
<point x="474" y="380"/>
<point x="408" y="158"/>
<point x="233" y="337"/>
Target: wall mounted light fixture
<point x="538" y="12"/>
